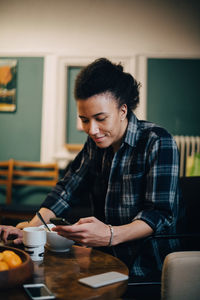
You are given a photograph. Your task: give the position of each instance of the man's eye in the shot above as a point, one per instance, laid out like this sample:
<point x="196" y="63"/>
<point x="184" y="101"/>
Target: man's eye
<point x="100" y="120"/>
<point x="84" y="121"/>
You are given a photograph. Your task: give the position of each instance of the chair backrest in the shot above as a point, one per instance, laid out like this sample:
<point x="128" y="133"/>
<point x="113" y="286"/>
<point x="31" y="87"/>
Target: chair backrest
<point x="190" y="187"/>
<point x="34" y="173"/>
<point x="181" y="276"/>
<point x="24" y="173"/>
<point x="6" y="168"/>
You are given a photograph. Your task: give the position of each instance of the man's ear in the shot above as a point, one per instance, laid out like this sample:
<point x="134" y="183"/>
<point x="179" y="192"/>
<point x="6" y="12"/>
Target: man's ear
<point x="123" y="112"/>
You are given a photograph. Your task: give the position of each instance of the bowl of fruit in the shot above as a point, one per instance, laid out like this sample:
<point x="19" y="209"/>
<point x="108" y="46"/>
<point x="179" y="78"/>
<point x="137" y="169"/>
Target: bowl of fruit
<point x="16" y="267"/>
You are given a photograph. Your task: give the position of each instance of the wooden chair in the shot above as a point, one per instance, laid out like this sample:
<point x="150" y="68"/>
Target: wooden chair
<point x="6" y="168"/>
<point x="24" y="173"/>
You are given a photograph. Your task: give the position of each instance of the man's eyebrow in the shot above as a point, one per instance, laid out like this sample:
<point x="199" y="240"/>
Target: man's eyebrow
<point x="96" y="115"/>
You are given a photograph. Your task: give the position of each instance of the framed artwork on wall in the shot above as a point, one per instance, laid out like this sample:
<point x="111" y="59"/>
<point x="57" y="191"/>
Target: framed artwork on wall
<point x="75" y="136"/>
<point x="8" y="85"/>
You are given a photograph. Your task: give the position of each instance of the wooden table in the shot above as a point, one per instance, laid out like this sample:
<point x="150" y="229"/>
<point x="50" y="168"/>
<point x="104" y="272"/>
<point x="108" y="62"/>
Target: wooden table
<point x="61" y="271"/>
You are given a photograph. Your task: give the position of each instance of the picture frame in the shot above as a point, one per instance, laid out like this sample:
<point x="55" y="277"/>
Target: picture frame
<point x="75" y="136"/>
<point x="8" y="85"/>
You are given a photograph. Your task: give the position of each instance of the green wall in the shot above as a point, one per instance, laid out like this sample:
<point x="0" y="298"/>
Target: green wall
<point x="173" y="95"/>
<point x="20" y="131"/>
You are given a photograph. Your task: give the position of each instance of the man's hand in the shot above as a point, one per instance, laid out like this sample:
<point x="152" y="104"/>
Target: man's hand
<point x="87" y="231"/>
<point x="6" y="231"/>
<point x="94" y="233"/>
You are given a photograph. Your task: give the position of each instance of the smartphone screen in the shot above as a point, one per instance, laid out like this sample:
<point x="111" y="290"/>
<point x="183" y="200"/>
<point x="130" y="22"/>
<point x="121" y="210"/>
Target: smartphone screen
<point x="38" y="291"/>
<point x="59" y="221"/>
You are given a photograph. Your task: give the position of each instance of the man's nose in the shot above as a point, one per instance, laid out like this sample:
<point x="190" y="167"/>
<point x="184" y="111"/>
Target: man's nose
<point x="93" y="128"/>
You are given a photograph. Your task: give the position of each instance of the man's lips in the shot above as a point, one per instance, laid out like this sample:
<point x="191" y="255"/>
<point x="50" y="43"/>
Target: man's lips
<point x="99" y="138"/>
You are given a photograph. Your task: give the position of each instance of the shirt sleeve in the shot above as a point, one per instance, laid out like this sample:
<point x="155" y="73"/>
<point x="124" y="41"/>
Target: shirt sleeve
<point x="72" y="188"/>
<point x="160" y="208"/>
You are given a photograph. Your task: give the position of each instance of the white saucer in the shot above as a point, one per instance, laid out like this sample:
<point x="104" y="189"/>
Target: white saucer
<point x="56" y="250"/>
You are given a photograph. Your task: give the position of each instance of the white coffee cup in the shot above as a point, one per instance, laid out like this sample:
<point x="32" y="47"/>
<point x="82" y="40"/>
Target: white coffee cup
<point x="34" y="239"/>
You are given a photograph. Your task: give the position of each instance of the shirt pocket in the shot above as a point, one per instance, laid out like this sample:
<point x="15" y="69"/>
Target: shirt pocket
<point x="132" y="191"/>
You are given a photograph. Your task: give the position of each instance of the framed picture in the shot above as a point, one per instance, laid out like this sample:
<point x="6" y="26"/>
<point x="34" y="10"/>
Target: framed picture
<point x="75" y="136"/>
<point x="8" y="85"/>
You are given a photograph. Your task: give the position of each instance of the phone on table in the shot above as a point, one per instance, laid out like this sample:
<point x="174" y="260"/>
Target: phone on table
<point x="38" y="291"/>
<point x="59" y="221"/>
<point x="103" y="279"/>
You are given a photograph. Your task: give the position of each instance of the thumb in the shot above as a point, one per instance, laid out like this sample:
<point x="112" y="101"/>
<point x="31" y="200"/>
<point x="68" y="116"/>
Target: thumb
<point x="86" y="220"/>
<point x="17" y="241"/>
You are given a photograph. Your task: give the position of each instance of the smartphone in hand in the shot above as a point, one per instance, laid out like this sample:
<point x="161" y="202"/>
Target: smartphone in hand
<point x="59" y="221"/>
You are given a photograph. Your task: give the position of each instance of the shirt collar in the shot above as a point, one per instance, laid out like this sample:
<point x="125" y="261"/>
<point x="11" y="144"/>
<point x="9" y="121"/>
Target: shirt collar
<point x="130" y="137"/>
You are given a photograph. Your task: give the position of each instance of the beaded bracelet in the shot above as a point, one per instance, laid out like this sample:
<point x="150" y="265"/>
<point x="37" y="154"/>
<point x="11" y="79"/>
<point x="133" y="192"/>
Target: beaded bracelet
<point x="111" y="235"/>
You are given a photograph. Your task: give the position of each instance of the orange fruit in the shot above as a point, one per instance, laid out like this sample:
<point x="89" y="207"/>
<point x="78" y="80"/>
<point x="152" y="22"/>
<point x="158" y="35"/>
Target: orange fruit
<point x="1" y="256"/>
<point x="11" y="258"/>
<point x="3" y="266"/>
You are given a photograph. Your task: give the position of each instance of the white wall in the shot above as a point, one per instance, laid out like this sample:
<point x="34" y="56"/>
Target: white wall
<point x="80" y="30"/>
<point x="82" y="27"/>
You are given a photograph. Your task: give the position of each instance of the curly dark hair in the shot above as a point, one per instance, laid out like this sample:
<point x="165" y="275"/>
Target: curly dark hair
<point x="103" y="76"/>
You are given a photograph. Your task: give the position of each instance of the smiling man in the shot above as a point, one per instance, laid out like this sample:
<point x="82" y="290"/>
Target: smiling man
<point x="128" y="168"/>
<point x="102" y="120"/>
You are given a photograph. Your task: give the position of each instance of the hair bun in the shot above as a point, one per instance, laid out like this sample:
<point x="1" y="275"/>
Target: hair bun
<point x="103" y="76"/>
<point x="120" y="67"/>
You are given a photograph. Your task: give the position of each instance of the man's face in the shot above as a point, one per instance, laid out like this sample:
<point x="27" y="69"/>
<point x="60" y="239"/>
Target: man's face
<point x="102" y="120"/>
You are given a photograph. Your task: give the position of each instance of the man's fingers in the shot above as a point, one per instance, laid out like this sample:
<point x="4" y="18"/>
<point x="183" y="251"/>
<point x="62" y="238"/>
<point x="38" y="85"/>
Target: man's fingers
<point x="2" y="227"/>
<point x="5" y="236"/>
<point x="10" y="233"/>
<point x="17" y="241"/>
<point x="86" y="220"/>
<point x="68" y="229"/>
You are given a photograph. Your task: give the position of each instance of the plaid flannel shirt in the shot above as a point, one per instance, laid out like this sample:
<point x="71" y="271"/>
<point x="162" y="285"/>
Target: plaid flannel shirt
<point x="138" y="182"/>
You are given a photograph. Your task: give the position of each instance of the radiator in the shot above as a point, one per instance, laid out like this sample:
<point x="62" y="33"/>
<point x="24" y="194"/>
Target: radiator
<point x="188" y="146"/>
